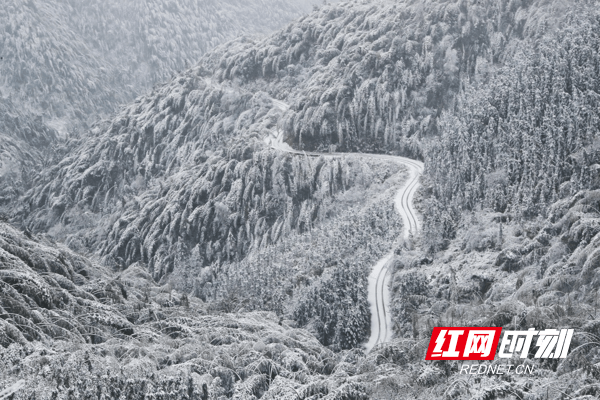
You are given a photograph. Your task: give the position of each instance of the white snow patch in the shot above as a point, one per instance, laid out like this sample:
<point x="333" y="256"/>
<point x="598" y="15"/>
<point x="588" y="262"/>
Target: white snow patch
<point x="61" y="126"/>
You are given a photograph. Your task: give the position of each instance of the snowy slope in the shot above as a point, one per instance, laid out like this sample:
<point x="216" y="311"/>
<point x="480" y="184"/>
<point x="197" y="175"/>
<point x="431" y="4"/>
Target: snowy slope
<point x="188" y="187"/>
<point x="379" y="296"/>
<point x="71" y="328"/>
<point x="64" y="65"/>
<point x="184" y="174"/>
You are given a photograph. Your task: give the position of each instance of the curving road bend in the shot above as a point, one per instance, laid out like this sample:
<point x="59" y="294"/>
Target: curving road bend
<point x="379" y="279"/>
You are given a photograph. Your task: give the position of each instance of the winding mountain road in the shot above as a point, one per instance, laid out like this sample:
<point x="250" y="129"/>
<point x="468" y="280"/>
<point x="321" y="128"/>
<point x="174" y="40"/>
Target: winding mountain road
<point x="379" y="298"/>
<point x="379" y="279"/>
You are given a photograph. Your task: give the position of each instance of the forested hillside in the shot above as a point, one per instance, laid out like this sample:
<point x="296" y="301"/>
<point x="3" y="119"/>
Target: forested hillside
<point x="20" y="135"/>
<point x="69" y="329"/>
<point x="527" y="138"/>
<point x="179" y="191"/>
<point x="222" y="102"/>
<point x="64" y="64"/>
<point x="376" y="76"/>
<point x="511" y="210"/>
<point x="84" y="59"/>
<point x="181" y="176"/>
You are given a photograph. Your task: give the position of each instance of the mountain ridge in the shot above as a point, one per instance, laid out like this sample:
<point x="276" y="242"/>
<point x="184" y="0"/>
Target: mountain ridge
<point x="64" y="65"/>
<point x="500" y="101"/>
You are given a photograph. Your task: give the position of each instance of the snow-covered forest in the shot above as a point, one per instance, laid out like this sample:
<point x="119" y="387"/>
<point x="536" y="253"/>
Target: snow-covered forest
<point x="65" y="64"/>
<point x="158" y="247"/>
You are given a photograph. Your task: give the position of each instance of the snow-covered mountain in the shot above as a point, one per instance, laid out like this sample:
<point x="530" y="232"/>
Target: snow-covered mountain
<point x="498" y="98"/>
<point x="72" y="329"/>
<point x="21" y="138"/>
<point x="65" y="64"/>
<point x="218" y="112"/>
<point x="83" y="59"/>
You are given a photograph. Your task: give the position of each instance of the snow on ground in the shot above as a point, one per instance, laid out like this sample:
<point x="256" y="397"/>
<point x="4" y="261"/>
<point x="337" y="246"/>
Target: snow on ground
<point x="379" y="279"/>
